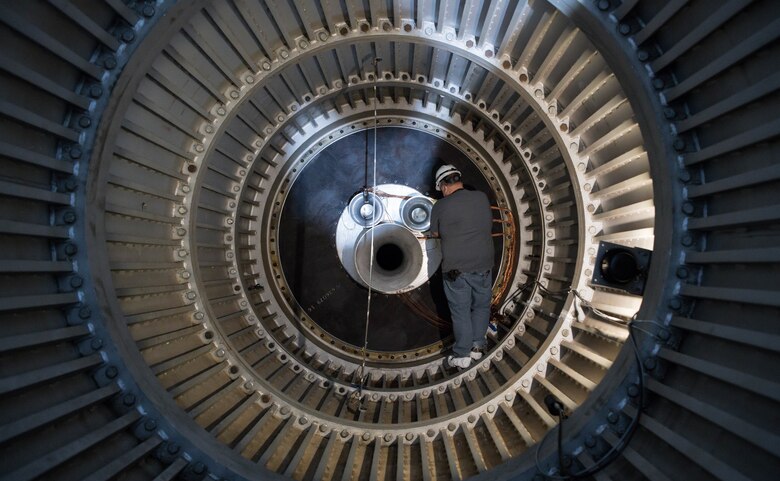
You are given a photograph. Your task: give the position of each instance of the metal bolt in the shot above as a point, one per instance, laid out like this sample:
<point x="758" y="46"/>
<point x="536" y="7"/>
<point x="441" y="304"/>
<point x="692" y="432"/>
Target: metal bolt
<point x="430" y="433"/>
<point x="199" y="468"/>
<point x="85" y="312"/>
<point x="590" y="441"/>
<point x="76" y="152"/>
<point x="109" y="62"/>
<point x="148" y="11"/>
<point x="344" y="434"/>
<point x="96" y="343"/>
<point x="687" y="240"/>
<point x="128" y="36"/>
<point x="491" y="409"/>
<point x="84" y="122"/>
<point x="451" y="426"/>
<point x="70" y="249"/>
<point x="150" y="425"/>
<point x="650" y="363"/>
<point x="173" y="448"/>
<point x="633" y="390"/>
<point x="687" y="208"/>
<point x="670" y="113"/>
<point x="683" y="272"/>
<point x="128" y="400"/>
<point x="182" y="210"/>
<point x="643" y="55"/>
<point x="612" y="417"/>
<point x="366" y="436"/>
<point x="624" y="28"/>
<point x="409" y="436"/>
<point x="181" y="231"/>
<point x="679" y="144"/>
<point x="658" y="83"/>
<point x="675" y="303"/>
<point x="95" y="91"/>
<point x="472" y="418"/>
<point x="603" y="5"/>
<point x="76" y="282"/>
<point x="664" y="334"/>
<point x="388" y="437"/>
<point x="285" y="410"/>
<point x="112" y="372"/>
<point x="69" y="217"/>
<point x="684" y="175"/>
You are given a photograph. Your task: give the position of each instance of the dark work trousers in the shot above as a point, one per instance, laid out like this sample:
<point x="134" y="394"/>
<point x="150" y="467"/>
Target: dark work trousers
<point x="469" y="299"/>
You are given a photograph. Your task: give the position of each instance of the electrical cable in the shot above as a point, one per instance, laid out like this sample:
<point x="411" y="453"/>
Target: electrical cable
<point x="619" y="446"/>
<point x="357" y="396"/>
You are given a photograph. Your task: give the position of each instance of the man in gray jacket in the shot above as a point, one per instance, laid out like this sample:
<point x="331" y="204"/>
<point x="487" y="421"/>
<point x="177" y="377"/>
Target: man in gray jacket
<point x="464" y="222"/>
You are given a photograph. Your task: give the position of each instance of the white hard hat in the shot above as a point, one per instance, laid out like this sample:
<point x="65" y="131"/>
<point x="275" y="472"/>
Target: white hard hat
<point x="443" y="172"/>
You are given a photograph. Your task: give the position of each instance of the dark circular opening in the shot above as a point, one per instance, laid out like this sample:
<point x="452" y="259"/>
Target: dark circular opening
<point x="619" y="266"/>
<point x="389" y="257"/>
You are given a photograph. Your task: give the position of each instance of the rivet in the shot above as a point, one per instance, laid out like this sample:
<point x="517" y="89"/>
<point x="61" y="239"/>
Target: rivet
<point x="221" y="111"/>
<point x="451" y="427"/>
<point x="686" y="240"/>
<point x="182" y="210"/>
<point x="682" y="272"/>
<point x="526" y="383"/>
<point x="182" y="253"/>
<point x="491" y="409"/>
<point x="409" y="436"/>
<point x="430" y="433"/>
<point x="553" y="350"/>
<point x="234" y="94"/>
<point x="199" y="148"/>
<point x="624" y="28"/>
<point x="687" y="208"/>
<point x="472" y="418"/>
<point x="185" y="275"/>
<point x="191" y="295"/>
<point x="633" y="390"/>
<point x="344" y="434"/>
<point x="199" y="316"/>
<point x="285" y="410"/>
<point x="388" y="437"/>
<point x="323" y="36"/>
<point x="612" y="417"/>
<point x="249" y="79"/>
<point x="266" y="66"/>
<point x="366" y="436"/>
<point x="185" y="188"/>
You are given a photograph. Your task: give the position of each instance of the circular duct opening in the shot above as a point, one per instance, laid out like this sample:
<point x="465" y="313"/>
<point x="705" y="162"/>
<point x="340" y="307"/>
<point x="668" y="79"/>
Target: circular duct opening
<point x="390" y="257"/>
<point x="397" y="255"/>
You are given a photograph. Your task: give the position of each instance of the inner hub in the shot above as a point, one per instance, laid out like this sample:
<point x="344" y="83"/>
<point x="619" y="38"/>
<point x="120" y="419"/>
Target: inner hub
<point x="387" y="250"/>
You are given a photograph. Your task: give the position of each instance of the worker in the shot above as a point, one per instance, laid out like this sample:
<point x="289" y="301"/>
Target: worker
<point x="464" y="222"/>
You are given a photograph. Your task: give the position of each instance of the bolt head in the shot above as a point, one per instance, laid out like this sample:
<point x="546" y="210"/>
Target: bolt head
<point x="109" y="62"/>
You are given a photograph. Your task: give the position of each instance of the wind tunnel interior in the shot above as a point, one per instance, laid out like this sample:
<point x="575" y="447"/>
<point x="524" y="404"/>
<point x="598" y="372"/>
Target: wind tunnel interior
<point x="183" y="232"/>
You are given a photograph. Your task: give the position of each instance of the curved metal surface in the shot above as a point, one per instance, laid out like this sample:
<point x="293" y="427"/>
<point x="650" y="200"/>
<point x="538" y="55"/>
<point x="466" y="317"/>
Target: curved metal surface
<point x="147" y="152"/>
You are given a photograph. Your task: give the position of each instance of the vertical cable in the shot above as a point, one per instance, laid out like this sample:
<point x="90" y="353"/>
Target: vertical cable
<point x="361" y="376"/>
